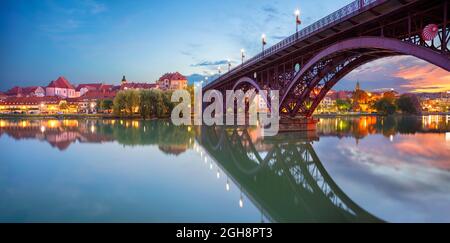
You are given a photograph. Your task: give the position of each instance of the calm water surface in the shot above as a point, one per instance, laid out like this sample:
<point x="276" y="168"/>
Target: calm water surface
<point x="352" y="169"/>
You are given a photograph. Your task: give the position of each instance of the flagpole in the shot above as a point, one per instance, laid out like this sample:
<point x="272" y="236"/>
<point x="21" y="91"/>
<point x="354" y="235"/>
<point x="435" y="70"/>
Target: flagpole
<point x="297" y="21"/>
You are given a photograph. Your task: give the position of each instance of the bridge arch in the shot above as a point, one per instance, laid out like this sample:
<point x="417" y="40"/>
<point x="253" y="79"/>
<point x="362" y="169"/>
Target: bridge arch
<point x="331" y="64"/>
<point x="251" y="82"/>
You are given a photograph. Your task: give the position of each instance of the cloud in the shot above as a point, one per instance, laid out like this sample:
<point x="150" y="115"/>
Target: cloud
<point x="210" y="63"/>
<point x="278" y="37"/>
<point x="270" y="9"/>
<point x="403" y="73"/>
<point x="95" y="7"/>
<point x="61" y="27"/>
<point x="435" y="154"/>
<point x="425" y="78"/>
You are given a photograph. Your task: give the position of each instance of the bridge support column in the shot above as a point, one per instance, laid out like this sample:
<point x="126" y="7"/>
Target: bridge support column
<point x="300" y="123"/>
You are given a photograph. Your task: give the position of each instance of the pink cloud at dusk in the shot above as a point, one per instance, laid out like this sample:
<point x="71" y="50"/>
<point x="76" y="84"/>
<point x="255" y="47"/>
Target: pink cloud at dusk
<point x="402" y="73"/>
<point x="425" y="78"/>
<point x="435" y="154"/>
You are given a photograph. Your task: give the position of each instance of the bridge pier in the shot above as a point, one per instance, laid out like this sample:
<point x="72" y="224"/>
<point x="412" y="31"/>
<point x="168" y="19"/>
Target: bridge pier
<point x="297" y="124"/>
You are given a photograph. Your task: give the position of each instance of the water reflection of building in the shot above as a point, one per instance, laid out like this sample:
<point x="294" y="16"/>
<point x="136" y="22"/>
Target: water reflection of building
<point x="173" y="149"/>
<point x="58" y="133"/>
<point x="62" y="133"/>
<point x="359" y="127"/>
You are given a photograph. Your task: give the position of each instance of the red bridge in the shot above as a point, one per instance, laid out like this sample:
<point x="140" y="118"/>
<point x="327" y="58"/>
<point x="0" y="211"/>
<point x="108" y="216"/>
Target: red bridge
<point x="306" y="65"/>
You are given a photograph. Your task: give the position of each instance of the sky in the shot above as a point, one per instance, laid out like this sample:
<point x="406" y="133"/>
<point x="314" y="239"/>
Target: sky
<point x="99" y="41"/>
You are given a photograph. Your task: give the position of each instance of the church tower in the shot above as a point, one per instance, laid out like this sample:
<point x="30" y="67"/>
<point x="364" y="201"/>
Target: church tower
<point x="358" y="87"/>
<point x="124" y="80"/>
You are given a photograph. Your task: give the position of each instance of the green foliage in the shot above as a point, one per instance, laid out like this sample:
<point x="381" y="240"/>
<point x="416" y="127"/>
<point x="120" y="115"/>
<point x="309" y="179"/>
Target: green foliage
<point x="168" y="104"/>
<point x="390" y="96"/>
<point x="343" y="105"/>
<point x="409" y="104"/>
<point x="63" y="105"/>
<point x="105" y="104"/>
<point x="132" y="101"/>
<point x="126" y="102"/>
<point x="386" y="106"/>
<point x="119" y="104"/>
<point x="360" y="96"/>
<point x="150" y="103"/>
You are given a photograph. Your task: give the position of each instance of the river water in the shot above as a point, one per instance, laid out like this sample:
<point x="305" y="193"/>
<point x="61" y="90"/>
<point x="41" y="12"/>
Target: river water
<point x="351" y="169"/>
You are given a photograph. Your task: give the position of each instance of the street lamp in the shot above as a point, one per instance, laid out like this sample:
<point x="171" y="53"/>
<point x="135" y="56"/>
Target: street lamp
<point x="229" y="65"/>
<point x="242" y="56"/>
<point x="263" y="40"/>
<point x="297" y="19"/>
<point x="219" y="70"/>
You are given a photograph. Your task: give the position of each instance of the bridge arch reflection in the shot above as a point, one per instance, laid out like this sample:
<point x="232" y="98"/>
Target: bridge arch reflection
<point x="283" y="175"/>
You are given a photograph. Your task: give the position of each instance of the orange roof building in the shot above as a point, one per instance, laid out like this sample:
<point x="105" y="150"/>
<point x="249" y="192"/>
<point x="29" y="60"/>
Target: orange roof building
<point x="172" y="81"/>
<point x="61" y="88"/>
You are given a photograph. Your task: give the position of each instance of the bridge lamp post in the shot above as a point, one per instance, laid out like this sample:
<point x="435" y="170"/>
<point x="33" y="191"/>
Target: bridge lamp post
<point x="219" y="70"/>
<point x="229" y="65"/>
<point x="242" y="56"/>
<point x="297" y="19"/>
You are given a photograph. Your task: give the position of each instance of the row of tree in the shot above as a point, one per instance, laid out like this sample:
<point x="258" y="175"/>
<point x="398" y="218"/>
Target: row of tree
<point x="388" y="104"/>
<point x="143" y="103"/>
<point x="406" y="104"/>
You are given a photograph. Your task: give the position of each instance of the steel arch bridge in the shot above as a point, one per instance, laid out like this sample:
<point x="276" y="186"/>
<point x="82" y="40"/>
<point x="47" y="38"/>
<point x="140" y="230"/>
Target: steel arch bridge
<point x="284" y="178"/>
<point x="306" y="65"/>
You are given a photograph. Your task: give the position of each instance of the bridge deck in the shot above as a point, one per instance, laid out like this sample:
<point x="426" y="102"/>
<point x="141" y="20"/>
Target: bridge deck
<point x="324" y="31"/>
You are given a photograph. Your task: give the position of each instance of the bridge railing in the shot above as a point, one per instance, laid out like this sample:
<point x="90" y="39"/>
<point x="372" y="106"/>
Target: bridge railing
<point x="347" y="11"/>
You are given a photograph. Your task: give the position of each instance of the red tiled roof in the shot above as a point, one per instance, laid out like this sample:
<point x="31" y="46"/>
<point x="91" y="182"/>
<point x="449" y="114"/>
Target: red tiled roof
<point x="93" y="86"/>
<point x="106" y="87"/>
<point x="30" y="100"/>
<point x="138" y="86"/>
<point x="61" y="82"/>
<point x="98" y="95"/>
<point x="28" y="90"/>
<point x="173" y="76"/>
<point x="22" y="90"/>
<point x="14" y="91"/>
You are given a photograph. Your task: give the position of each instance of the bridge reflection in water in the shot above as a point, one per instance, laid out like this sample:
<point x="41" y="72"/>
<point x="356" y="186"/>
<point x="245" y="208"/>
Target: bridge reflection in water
<point x="282" y="175"/>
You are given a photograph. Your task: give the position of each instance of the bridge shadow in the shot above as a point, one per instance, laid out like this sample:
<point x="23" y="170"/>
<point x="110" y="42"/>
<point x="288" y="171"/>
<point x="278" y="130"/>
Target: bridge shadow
<point x="282" y="175"/>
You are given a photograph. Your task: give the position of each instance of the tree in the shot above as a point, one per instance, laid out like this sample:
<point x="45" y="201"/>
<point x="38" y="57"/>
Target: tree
<point x="63" y="105"/>
<point x="389" y="95"/>
<point x="343" y="104"/>
<point x="105" y="104"/>
<point x="151" y="103"/>
<point x="145" y="105"/>
<point x="360" y="96"/>
<point x="119" y="103"/>
<point x="409" y="103"/>
<point x="167" y="102"/>
<point x="385" y="106"/>
<point x="131" y="101"/>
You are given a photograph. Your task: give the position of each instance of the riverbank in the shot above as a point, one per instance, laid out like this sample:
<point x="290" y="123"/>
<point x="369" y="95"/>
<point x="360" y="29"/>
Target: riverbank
<point x="74" y="116"/>
<point x="382" y="115"/>
<point x="138" y="117"/>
